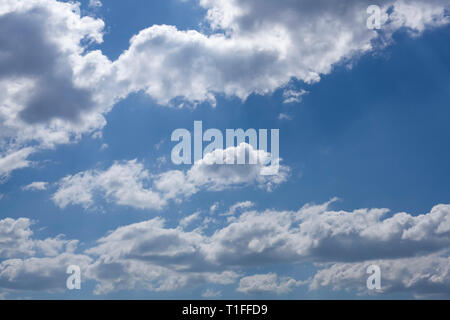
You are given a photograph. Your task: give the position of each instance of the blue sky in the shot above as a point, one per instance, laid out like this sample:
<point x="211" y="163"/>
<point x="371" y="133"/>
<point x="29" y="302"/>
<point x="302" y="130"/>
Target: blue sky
<point x="371" y="129"/>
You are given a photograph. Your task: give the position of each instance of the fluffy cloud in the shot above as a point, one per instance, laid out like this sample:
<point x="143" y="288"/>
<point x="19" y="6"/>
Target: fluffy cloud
<point x="130" y="274"/>
<point x="129" y="184"/>
<point x="16" y="240"/>
<point x="425" y="276"/>
<point x="46" y="99"/>
<point x="39" y="274"/>
<point x="31" y="264"/>
<point x="267" y="283"/>
<point x="150" y="255"/>
<point x="55" y="89"/>
<point x="258" y="46"/>
<point x="123" y="183"/>
<point x="408" y="249"/>
<point x="185" y="222"/>
<point x="15" y="237"/>
<point x="317" y="234"/>
<point x="314" y="233"/>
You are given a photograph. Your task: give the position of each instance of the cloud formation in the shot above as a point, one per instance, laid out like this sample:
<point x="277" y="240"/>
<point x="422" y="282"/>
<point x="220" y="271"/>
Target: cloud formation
<point x="425" y="276"/>
<point x="31" y="264"/>
<point x="412" y="252"/>
<point x="16" y="240"/>
<point x="55" y="89"/>
<point x="129" y="184"/>
<point x="259" y="46"/>
<point x="267" y="283"/>
<point x="43" y="54"/>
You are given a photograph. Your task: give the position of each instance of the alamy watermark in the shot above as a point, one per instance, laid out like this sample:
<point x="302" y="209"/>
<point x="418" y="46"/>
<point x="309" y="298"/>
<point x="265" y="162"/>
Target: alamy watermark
<point x="374" y="280"/>
<point x="190" y="148"/>
<point x="376" y="17"/>
<point x="74" y="280"/>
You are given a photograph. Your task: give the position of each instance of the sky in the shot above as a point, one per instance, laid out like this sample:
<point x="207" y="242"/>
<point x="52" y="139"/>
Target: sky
<point x="92" y="91"/>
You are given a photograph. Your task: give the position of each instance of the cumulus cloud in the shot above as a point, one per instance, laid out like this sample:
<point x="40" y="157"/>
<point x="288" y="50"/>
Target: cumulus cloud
<point x="412" y="252"/>
<point x="424" y="276"/>
<point x="129" y="184"/>
<point x="267" y="283"/>
<point x="39" y="274"/>
<point x="400" y="243"/>
<point x="149" y="255"/>
<point x="258" y="46"/>
<point x="16" y="240"/>
<point x="130" y="274"/>
<point x="55" y="89"/>
<point x="31" y="264"/>
<point x="46" y="99"/>
<point x="318" y="234"/>
<point x="313" y="233"/>
<point x="123" y="183"/>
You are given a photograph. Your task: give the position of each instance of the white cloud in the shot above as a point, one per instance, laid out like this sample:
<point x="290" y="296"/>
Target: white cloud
<point x="267" y="283"/>
<point x="217" y="177"/>
<point x="411" y="251"/>
<point x="129" y="184"/>
<point x="123" y="183"/>
<point x="39" y="274"/>
<point x="424" y="276"/>
<point x="14" y="160"/>
<point x="16" y="241"/>
<point x="311" y="234"/>
<point x="240" y="205"/>
<point x="55" y="90"/>
<point x="148" y="255"/>
<point x="293" y="96"/>
<point x="15" y="238"/>
<point x="36" y="186"/>
<point x="259" y="46"/>
<point x="31" y="264"/>
<point x="185" y="222"/>
<point x="44" y="100"/>
<point x="318" y="234"/>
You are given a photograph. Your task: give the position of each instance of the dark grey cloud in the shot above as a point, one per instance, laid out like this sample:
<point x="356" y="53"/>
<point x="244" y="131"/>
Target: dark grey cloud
<point x="27" y="52"/>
